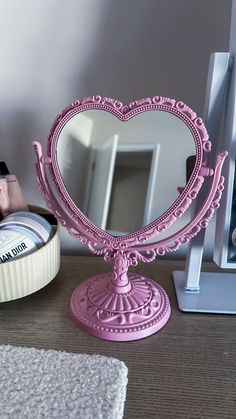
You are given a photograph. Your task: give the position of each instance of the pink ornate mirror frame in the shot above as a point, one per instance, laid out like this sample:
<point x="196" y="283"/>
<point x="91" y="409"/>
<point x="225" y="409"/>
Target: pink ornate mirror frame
<point x="119" y="305"/>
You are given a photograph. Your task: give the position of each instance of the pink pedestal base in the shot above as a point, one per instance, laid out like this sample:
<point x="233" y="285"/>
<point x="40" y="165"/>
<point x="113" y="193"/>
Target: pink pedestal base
<point x="103" y="312"/>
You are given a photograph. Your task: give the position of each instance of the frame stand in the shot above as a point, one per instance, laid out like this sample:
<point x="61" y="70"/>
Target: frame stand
<point x="135" y="314"/>
<point x="119" y="305"/>
<point x="218" y="290"/>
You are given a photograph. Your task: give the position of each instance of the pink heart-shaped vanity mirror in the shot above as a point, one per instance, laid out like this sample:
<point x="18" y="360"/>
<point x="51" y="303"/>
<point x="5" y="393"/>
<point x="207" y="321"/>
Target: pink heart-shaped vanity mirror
<point x="118" y="171"/>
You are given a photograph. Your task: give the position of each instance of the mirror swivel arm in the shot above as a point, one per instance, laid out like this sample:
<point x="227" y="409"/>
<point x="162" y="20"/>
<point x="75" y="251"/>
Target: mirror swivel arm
<point x="206" y="171"/>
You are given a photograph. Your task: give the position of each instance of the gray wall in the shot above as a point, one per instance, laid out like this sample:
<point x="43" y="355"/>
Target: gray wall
<point x="55" y="51"/>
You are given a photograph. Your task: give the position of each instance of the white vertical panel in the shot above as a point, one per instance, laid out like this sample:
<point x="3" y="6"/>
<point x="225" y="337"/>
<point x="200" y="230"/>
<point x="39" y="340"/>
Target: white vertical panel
<point x="102" y="182"/>
<point x="151" y="185"/>
<point x="214" y="105"/>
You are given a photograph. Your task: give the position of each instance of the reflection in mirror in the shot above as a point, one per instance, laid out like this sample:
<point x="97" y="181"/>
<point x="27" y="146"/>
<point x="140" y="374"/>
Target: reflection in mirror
<point x="123" y="175"/>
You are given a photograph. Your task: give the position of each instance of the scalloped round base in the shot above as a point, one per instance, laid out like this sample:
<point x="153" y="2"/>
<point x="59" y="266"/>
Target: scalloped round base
<point x="102" y="312"/>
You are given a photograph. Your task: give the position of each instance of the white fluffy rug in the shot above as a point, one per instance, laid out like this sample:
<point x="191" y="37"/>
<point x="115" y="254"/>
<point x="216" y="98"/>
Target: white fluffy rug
<point x="37" y="384"/>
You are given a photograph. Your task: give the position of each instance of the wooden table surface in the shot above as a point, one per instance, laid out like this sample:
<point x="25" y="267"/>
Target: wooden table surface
<point x="186" y="370"/>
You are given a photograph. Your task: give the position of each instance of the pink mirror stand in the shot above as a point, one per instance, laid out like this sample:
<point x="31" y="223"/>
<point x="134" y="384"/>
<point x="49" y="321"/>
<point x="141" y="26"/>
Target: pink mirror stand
<point x="123" y="306"/>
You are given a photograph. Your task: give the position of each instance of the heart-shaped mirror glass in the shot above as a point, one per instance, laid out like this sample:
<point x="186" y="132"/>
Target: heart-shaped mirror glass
<point x="123" y="174"/>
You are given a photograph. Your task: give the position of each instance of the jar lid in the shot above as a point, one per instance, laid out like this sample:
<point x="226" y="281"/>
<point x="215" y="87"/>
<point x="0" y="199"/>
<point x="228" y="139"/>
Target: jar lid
<point x="32" y="224"/>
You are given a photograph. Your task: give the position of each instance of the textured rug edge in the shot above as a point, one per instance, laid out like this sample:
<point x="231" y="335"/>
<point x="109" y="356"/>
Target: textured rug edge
<point x="118" y="410"/>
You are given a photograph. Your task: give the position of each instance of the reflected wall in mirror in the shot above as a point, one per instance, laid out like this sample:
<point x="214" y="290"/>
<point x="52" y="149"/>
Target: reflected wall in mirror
<point x="123" y="175"/>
